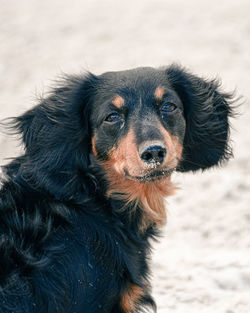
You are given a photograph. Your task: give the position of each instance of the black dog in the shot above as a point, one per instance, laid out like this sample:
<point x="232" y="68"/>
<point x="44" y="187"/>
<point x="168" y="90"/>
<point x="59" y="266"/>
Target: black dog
<point x="78" y="208"/>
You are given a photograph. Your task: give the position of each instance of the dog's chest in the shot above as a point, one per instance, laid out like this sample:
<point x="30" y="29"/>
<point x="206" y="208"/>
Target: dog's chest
<point x="134" y="284"/>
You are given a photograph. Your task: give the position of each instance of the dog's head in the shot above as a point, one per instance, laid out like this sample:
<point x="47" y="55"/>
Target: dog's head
<point x="140" y="125"/>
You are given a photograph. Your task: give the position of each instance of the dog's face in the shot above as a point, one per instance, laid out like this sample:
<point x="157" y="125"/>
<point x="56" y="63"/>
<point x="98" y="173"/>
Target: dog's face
<point x="138" y="126"/>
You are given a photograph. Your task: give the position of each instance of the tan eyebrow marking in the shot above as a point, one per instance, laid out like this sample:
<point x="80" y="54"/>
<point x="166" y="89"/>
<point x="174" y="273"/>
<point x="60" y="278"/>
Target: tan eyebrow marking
<point x="118" y="101"/>
<point x="159" y="92"/>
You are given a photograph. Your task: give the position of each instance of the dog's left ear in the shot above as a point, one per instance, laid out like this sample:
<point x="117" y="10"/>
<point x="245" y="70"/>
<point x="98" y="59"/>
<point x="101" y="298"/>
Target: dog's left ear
<point x="206" y="111"/>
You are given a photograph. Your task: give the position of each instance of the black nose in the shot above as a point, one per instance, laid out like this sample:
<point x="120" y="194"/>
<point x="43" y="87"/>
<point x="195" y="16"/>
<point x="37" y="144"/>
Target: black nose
<point x="154" y="154"/>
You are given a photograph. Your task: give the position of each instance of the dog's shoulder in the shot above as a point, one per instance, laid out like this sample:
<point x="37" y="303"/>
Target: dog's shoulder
<point x="52" y="251"/>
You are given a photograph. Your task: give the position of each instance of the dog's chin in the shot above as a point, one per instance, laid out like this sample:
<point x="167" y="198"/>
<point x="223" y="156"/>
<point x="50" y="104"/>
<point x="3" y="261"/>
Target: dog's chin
<point x="153" y="176"/>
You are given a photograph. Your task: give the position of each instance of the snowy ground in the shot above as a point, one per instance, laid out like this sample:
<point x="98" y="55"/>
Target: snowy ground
<point x="202" y="263"/>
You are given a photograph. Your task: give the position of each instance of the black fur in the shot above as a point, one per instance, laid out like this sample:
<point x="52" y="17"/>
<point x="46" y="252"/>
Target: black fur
<point x="206" y="114"/>
<point x="64" y="246"/>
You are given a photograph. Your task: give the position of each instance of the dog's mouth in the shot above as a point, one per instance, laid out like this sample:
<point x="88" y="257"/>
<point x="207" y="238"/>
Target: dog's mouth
<point x="151" y="176"/>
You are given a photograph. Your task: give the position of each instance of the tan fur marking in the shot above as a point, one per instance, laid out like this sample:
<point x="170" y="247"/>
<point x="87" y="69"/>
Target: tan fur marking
<point x="174" y="148"/>
<point x="149" y="196"/>
<point x="159" y="92"/>
<point x="94" y="145"/>
<point x="131" y="298"/>
<point x="126" y="155"/>
<point x="118" y="101"/>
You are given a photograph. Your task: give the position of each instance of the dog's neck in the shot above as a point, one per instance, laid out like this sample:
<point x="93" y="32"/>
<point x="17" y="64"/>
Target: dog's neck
<point x="148" y="198"/>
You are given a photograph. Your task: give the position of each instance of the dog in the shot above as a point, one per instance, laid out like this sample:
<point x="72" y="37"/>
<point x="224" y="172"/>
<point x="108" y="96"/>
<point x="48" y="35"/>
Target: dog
<point x="81" y="205"/>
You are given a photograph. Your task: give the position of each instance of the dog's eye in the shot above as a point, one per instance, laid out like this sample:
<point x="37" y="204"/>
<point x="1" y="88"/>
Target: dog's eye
<point x="168" y="108"/>
<point x="113" y="117"/>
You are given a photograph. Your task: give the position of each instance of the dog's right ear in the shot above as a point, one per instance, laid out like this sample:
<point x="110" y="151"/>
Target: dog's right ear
<point x="23" y="125"/>
<point x="20" y="125"/>
<point x="71" y="95"/>
<point x="56" y="136"/>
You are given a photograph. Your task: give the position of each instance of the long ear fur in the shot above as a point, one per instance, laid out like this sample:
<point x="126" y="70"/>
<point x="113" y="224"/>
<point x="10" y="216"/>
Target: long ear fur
<point x="56" y="136"/>
<point x="206" y="111"/>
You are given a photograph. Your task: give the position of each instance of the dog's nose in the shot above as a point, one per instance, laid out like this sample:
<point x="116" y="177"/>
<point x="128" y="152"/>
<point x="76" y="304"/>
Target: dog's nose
<point x="153" y="154"/>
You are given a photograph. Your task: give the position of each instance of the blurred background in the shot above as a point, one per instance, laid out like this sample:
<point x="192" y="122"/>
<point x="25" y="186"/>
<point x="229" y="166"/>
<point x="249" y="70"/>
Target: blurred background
<point x="202" y="263"/>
